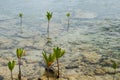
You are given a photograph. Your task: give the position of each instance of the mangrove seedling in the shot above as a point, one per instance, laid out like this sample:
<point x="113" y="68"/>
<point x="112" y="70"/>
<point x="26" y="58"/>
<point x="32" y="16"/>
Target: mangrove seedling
<point x="21" y="15"/>
<point x="19" y="53"/>
<point x="58" y="52"/>
<point x="11" y="65"/>
<point x="68" y="16"/>
<point x="49" y="59"/>
<point x="49" y="16"/>
<point x="114" y="66"/>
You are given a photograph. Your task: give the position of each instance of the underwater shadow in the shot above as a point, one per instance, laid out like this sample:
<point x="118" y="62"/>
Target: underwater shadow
<point x="1" y="77"/>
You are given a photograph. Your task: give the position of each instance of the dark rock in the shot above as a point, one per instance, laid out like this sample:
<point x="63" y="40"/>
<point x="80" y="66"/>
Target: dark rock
<point x="71" y="67"/>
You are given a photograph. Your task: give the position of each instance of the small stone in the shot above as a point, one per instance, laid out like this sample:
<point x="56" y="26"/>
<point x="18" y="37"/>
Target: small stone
<point x="99" y="71"/>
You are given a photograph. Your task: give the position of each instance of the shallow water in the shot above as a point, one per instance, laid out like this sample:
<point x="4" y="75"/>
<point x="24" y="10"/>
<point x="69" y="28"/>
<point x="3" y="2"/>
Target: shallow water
<point x="94" y="28"/>
<point x="96" y="20"/>
<point x="34" y="11"/>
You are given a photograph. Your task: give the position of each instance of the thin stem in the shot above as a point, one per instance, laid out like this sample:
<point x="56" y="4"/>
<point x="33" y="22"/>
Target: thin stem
<point x="68" y="24"/>
<point x="11" y="75"/>
<point x="48" y="28"/>
<point x="47" y="73"/>
<point x="114" y="74"/>
<point x="21" y="24"/>
<point x="19" y="75"/>
<point x="20" y="21"/>
<point x="114" y="77"/>
<point x="54" y="77"/>
<point x="58" y="68"/>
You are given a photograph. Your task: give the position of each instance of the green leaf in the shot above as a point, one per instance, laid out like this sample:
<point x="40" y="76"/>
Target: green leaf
<point x="68" y="14"/>
<point x="19" y="52"/>
<point x="115" y="65"/>
<point x="58" y="52"/>
<point x="62" y="53"/>
<point x="45" y="57"/>
<point x="11" y="65"/>
<point x="49" y="15"/>
<point x="20" y="15"/>
<point x="49" y="59"/>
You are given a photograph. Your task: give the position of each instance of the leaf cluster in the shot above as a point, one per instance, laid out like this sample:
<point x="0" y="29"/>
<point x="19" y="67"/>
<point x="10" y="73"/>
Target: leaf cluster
<point x="20" y="15"/>
<point x="58" y="52"/>
<point x="49" y="59"/>
<point x="115" y="65"/>
<point x="19" y="52"/>
<point x="49" y="15"/>
<point x="11" y="65"/>
<point x="68" y="14"/>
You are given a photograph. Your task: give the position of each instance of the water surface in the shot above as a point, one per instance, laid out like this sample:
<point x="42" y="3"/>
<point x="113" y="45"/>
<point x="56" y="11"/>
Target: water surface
<point x="98" y="20"/>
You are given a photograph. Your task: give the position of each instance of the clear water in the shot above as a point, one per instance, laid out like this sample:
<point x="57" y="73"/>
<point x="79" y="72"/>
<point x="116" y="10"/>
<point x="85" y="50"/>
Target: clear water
<point x="94" y="28"/>
<point x="100" y="18"/>
<point x="35" y="10"/>
<point x="102" y="7"/>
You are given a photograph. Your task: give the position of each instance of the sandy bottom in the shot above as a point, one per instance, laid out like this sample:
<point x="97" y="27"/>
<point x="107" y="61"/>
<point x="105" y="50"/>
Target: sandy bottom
<point x="91" y="47"/>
